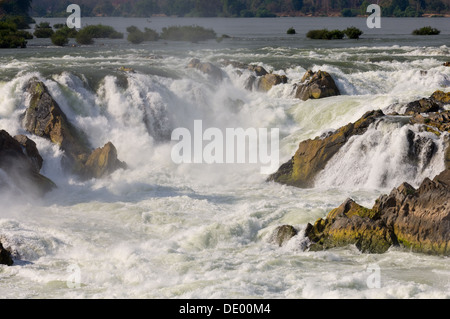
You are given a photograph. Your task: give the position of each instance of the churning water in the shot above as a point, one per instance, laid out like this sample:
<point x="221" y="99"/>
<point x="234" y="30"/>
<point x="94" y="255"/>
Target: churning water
<point x="162" y="230"/>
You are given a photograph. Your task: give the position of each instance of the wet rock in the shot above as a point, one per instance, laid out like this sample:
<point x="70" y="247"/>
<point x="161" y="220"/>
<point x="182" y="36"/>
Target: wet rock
<point x="446" y="63"/>
<point x="312" y="155"/>
<point x="267" y="81"/>
<point x="5" y="256"/>
<point x="31" y="151"/>
<point x="208" y="68"/>
<point x="417" y="219"/>
<point x="102" y="162"/>
<point x="282" y="234"/>
<point x="441" y="98"/>
<point x="259" y="70"/>
<point x="45" y="118"/>
<point x="425" y="105"/>
<point x="22" y="167"/>
<point x="316" y="85"/>
<point x="351" y="224"/>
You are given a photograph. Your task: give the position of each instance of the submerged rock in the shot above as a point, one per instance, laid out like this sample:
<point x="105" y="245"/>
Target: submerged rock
<point x="418" y="219"/>
<point x="5" y="256"/>
<point x="45" y="118"/>
<point x="282" y="234"/>
<point x="312" y="155"/>
<point x="316" y="85"/>
<point x="102" y="162"/>
<point x="22" y="165"/>
<point x="207" y="68"/>
<point x="267" y="81"/>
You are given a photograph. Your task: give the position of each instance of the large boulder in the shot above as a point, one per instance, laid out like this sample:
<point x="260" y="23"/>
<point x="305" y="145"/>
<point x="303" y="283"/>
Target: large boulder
<point x="312" y="155"/>
<point x="418" y="219"/>
<point x="45" y="118"/>
<point x="102" y="162"/>
<point x="5" y="256"/>
<point x="22" y="165"/>
<point x="208" y="68"/>
<point x="282" y="234"/>
<point x="316" y="85"/>
<point x="267" y="81"/>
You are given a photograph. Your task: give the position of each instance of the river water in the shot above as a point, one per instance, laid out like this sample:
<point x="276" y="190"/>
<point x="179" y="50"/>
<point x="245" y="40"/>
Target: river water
<point x="164" y="230"/>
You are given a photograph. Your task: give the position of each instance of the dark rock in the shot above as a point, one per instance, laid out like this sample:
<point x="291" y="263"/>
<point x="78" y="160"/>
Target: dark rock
<point x="282" y="234"/>
<point x="312" y="155"/>
<point x="5" y="256"/>
<point x="418" y="219"/>
<point x="207" y="68"/>
<point x="31" y="151"/>
<point x="45" y="118"/>
<point x="425" y="105"/>
<point x="102" y="162"/>
<point x="446" y="64"/>
<point x="21" y="167"/>
<point x="259" y="70"/>
<point x="267" y="81"/>
<point x="316" y="85"/>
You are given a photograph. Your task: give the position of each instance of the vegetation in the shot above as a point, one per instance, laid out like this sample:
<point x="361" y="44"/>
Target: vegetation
<point x="353" y="33"/>
<point x="43" y="30"/>
<point x="11" y="37"/>
<point x="291" y="30"/>
<point x="234" y="8"/>
<point x="324" y="34"/>
<point x="187" y="33"/>
<point x="136" y="36"/>
<point x="426" y="31"/>
<point x="59" y="39"/>
<point x="90" y="32"/>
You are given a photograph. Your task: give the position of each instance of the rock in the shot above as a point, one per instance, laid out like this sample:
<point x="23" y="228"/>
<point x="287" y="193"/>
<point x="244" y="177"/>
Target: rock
<point x="5" y="256"/>
<point x="45" y="118"/>
<point x="267" y="81"/>
<point x="102" y="162"/>
<point x="418" y="219"/>
<point x="437" y="120"/>
<point x="282" y="234"/>
<point x="425" y="105"/>
<point x="259" y="70"/>
<point x="31" y="151"/>
<point x="316" y="85"/>
<point x="441" y="97"/>
<point x="207" y="68"/>
<point x="22" y="165"/>
<point x="446" y="63"/>
<point x="250" y="82"/>
<point x="312" y="155"/>
<point x="351" y="224"/>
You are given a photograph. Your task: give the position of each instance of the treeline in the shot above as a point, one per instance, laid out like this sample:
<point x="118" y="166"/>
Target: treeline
<point x="236" y="8"/>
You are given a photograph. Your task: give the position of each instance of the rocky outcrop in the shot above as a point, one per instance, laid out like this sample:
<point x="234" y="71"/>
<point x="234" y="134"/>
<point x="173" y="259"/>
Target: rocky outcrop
<point x="267" y="81"/>
<point x="313" y="154"/>
<point x="5" y="256"/>
<point x="208" y="68"/>
<point x="45" y="118"/>
<point x="102" y="162"/>
<point x="316" y="85"/>
<point x="446" y="63"/>
<point x="21" y="164"/>
<point x="282" y="234"/>
<point x="418" y="219"/>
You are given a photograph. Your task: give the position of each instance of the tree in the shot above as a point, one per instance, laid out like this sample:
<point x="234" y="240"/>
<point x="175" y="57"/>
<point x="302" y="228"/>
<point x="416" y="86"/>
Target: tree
<point x="297" y="4"/>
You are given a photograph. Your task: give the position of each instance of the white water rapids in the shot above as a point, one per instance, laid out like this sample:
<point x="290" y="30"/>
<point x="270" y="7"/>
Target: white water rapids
<point x="162" y="230"/>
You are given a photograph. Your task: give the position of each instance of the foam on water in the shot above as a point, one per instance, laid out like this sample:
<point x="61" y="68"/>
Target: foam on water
<point x="161" y="230"/>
